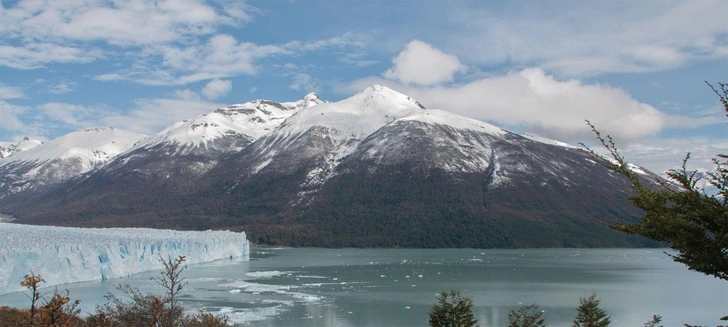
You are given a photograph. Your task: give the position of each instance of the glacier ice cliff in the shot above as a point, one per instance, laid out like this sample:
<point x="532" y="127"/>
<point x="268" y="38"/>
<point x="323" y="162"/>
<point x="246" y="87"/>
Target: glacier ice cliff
<point x="66" y="255"/>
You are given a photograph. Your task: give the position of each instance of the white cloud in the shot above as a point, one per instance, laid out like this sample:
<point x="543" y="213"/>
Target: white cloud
<point x="168" y="42"/>
<point x="10" y="92"/>
<point x="253" y="89"/>
<point x="123" y="23"/>
<point x="61" y="88"/>
<point x="222" y="56"/>
<point x="152" y="115"/>
<point x="162" y="39"/>
<point x="9" y="117"/>
<point x="186" y="94"/>
<point x="217" y="88"/>
<point x="304" y="82"/>
<point x="35" y="55"/>
<point x="532" y="100"/>
<point x="590" y="38"/>
<point x="421" y="63"/>
<point x="346" y="40"/>
<point x="357" y="60"/>
<point x="148" y="115"/>
<point x="661" y="155"/>
<point x="110" y="77"/>
<point x="77" y="116"/>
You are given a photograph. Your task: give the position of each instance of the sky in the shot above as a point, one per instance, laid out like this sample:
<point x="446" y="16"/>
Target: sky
<point x="635" y="69"/>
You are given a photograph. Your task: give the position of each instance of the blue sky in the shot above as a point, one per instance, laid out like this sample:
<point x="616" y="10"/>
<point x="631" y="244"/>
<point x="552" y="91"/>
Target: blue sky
<point x="634" y="68"/>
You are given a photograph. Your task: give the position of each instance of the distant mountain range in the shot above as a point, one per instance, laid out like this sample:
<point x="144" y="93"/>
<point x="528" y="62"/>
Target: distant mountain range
<point x="375" y="170"/>
<point x="9" y="148"/>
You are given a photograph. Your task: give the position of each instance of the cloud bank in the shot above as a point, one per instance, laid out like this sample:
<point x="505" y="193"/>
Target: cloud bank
<point x="421" y="63"/>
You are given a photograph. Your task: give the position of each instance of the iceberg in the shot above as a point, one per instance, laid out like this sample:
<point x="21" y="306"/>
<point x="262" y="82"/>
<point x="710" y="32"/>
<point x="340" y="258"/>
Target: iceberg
<point x="64" y="255"/>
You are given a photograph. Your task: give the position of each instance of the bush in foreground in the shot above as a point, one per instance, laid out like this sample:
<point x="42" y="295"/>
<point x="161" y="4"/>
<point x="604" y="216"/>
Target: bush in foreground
<point x="133" y="309"/>
<point x="452" y="310"/>
<point x="526" y="316"/>
<point x="589" y="314"/>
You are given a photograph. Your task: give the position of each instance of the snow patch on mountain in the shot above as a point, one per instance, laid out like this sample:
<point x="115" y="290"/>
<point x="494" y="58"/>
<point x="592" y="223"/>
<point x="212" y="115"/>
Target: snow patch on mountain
<point x="377" y="124"/>
<point x="357" y="116"/>
<point x="67" y="255"/>
<point x="545" y="140"/>
<point x="94" y="144"/>
<point x="63" y="158"/>
<point x="9" y="148"/>
<point x="247" y="121"/>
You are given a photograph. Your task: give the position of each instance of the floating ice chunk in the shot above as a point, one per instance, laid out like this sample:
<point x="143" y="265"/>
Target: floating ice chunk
<point x="268" y="274"/>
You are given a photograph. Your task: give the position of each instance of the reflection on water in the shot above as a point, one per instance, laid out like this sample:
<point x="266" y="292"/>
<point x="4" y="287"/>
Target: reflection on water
<point x="351" y="287"/>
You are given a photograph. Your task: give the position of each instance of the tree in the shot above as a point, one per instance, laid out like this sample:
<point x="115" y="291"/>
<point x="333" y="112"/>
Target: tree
<point x="589" y="314"/>
<point x="32" y="282"/>
<point x="58" y="311"/>
<point x="452" y="310"/>
<point x="526" y="316"/>
<point x="654" y="322"/>
<point x="171" y="280"/>
<point x="693" y="223"/>
<point x="148" y="309"/>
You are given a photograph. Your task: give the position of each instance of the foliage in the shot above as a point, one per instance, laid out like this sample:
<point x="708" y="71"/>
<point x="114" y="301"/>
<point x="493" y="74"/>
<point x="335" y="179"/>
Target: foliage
<point x="142" y="309"/>
<point x="147" y="309"/>
<point x="693" y="223"/>
<point x="526" y="316"/>
<point x="32" y="282"/>
<point x="654" y="322"/>
<point x="589" y="314"/>
<point x="452" y="310"/>
<point x="204" y="319"/>
<point x="135" y="309"/>
<point x="58" y="311"/>
<point x="171" y="280"/>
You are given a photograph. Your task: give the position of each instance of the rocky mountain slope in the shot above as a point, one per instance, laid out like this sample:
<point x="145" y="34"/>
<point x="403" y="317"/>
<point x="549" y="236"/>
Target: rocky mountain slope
<point x="373" y="170"/>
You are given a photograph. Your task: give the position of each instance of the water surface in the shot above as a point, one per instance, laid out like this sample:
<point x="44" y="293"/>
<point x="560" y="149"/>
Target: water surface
<point x="361" y="287"/>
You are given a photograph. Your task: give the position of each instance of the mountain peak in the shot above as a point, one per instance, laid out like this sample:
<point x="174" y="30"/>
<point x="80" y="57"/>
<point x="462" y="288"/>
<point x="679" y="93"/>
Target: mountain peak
<point x="9" y="148"/>
<point x="382" y="90"/>
<point x="243" y="121"/>
<point x="98" y="129"/>
<point x="311" y="97"/>
<point x="379" y="88"/>
<point x="379" y="91"/>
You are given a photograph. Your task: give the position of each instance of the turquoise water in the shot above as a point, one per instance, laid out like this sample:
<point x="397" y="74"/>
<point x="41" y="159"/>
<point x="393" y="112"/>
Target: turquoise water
<point x="354" y="287"/>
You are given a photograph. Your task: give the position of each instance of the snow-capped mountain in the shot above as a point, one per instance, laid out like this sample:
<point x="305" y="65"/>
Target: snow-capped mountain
<point x="539" y="138"/>
<point x="227" y="129"/>
<point x="376" y="169"/>
<point x="8" y="148"/>
<point x="183" y="152"/>
<point x="375" y="125"/>
<point x="339" y="128"/>
<point x="63" y="158"/>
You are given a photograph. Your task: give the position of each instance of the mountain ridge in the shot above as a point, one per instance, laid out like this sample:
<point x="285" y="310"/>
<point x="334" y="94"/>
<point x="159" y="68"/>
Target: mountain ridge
<point x="377" y="169"/>
<point x="9" y="148"/>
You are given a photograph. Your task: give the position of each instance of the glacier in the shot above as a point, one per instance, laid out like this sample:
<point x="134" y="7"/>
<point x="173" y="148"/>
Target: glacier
<point x="64" y="255"/>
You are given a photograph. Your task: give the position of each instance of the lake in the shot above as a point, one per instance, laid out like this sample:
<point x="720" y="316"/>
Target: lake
<point x="397" y="287"/>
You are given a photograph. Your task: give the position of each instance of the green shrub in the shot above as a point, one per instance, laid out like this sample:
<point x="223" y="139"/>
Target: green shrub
<point x="452" y="310"/>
